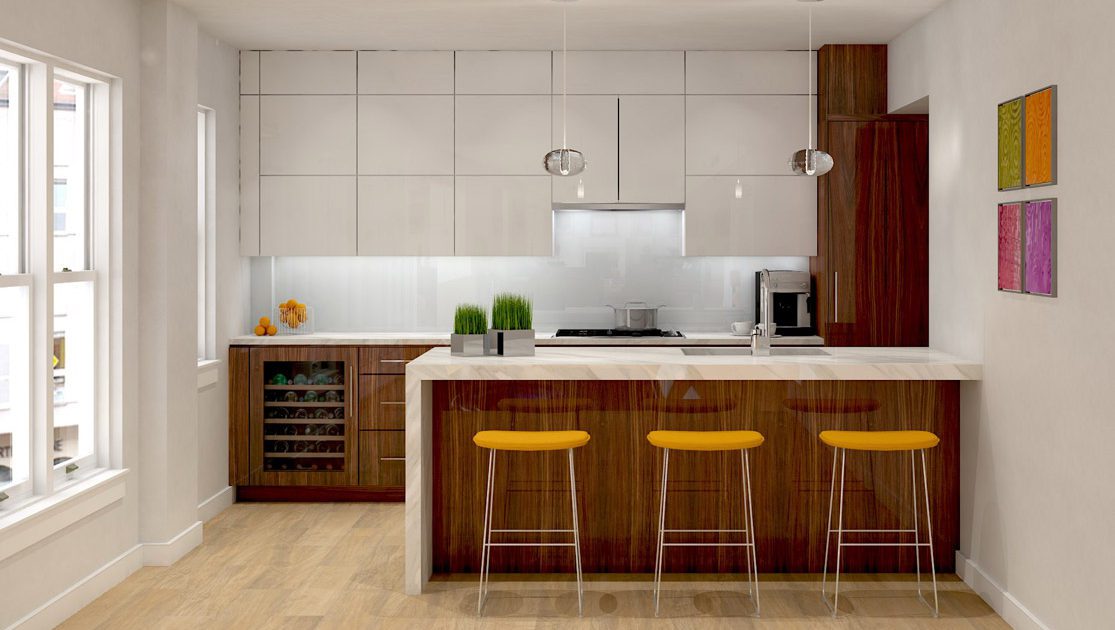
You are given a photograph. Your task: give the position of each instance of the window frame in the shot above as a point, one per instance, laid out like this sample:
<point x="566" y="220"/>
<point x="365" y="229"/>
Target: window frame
<point x="207" y="216"/>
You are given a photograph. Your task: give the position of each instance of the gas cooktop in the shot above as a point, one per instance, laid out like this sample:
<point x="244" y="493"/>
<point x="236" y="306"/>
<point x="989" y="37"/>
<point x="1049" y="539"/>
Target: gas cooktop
<point x="612" y="332"/>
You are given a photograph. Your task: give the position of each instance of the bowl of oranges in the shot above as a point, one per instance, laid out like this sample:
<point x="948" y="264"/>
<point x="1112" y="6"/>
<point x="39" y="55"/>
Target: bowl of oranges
<point x="295" y="318"/>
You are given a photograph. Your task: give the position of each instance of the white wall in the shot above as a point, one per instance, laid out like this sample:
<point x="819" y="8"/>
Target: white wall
<point x="218" y="88"/>
<point x="1037" y="501"/>
<point x="600" y="258"/>
<point x="104" y="36"/>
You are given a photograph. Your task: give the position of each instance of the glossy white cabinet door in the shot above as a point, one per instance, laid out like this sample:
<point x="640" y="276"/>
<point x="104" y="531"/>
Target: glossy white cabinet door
<point x="307" y="135"/>
<point x="652" y="149"/>
<point x="307" y="72"/>
<point x="405" y="135"/>
<point x="405" y="216"/>
<point x="771" y="216"/>
<point x="308" y="216"/>
<point x="502" y="135"/>
<point x="502" y="72"/>
<point x="249" y="176"/>
<point x="743" y="135"/>
<point x="593" y="130"/>
<point x="747" y="72"/>
<point x="622" y="72"/>
<point x="504" y="216"/>
<point x="405" y="72"/>
<point x="249" y="72"/>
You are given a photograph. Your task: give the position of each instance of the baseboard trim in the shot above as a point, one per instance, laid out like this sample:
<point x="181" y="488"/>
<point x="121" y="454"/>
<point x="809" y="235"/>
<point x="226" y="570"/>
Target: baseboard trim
<point x="62" y="606"/>
<point x="167" y="553"/>
<point x="1009" y="608"/>
<point x="216" y="504"/>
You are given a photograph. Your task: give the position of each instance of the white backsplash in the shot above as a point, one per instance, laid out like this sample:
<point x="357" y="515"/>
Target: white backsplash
<point x="600" y="258"/>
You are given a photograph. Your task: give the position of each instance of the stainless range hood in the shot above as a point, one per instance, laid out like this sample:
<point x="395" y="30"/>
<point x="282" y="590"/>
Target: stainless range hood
<point x="618" y="206"/>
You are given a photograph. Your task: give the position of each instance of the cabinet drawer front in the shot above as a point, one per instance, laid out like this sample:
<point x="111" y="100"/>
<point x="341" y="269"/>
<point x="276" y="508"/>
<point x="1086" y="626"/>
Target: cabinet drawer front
<point x="389" y="359"/>
<point x="383" y="458"/>
<point x="383" y="402"/>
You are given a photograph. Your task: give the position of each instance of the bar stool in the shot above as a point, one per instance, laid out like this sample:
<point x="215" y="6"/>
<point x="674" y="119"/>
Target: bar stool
<point x="912" y="441"/>
<point x="528" y="441"/>
<point x="742" y="441"/>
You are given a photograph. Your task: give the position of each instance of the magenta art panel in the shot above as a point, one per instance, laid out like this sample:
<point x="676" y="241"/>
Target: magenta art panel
<point x="1010" y="247"/>
<point x="1040" y="250"/>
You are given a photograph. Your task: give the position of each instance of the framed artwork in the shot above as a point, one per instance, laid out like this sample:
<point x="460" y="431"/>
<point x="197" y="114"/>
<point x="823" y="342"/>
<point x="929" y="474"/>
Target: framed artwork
<point x="1010" y="144"/>
<point x="1040" y="138"/>
<point x="1039" y="275"/>
<point x="1010" y="247"/>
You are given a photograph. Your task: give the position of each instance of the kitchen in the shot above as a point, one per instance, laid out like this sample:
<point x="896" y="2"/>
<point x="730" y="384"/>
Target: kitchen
<point x="498" y="304"/>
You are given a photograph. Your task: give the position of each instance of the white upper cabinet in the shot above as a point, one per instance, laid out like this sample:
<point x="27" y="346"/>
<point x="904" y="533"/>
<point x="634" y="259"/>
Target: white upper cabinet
<point x="308" y="216"/>
<point x="751" y="216"/>
<point x="503" y="72"/>
<point x="405" y="216"/>
<point x="743" y="135"/>
<point x="307" y="135"/>
<point x="504" y="216"/>
<point x="747" y="72"/>
<point x="652" y="149"/>
<point x="594" y="131"/>
<point x="249" y="72"/>
<point x="249" y="175"/>
<point x="405" y="135"/>
<point x="307" y="72"/>
<point x="502" y="135"/>
<point x="621" y="72"/>
<point x="405" y="72"/>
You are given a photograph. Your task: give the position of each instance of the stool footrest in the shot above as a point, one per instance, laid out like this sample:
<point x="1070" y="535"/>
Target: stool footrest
<point x="705" y="531"/>
<point x="531" y="531"/>
<point x="530" y="544"/>
<point x="874" y="531"/>
<point x="665" y="544"/>
<point x="924" y="544"/>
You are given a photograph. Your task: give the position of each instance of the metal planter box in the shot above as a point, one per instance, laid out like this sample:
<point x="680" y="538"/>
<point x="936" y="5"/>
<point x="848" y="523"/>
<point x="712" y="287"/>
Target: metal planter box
<point x="511" y="343"/>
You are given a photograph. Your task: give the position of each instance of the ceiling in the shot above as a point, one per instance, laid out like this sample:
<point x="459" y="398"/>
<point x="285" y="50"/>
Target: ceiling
<point x="536" y="24"/>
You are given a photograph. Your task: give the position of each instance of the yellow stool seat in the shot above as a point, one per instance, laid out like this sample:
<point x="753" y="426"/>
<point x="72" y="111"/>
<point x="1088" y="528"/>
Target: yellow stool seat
<point x="705" y="440"/>
<point x="880" y="440"/>
<point x="530" y="440"/>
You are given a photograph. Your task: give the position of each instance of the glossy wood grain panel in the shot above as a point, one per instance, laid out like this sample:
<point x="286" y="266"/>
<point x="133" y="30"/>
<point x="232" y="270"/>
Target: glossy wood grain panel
<point x="389" y="359"/>
<point x="383" y="458"/>
<point x="618" y="472"/>
<point x="239" y="431"/>
<point x="383" y="402"/>
<point x="852" y="80"/>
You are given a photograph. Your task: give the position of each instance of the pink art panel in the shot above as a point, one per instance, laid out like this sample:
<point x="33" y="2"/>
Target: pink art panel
<point x="1010" y="247"/>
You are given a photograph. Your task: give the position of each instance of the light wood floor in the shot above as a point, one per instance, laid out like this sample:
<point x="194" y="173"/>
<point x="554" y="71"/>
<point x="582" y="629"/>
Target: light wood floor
<point x="340" y="566"/>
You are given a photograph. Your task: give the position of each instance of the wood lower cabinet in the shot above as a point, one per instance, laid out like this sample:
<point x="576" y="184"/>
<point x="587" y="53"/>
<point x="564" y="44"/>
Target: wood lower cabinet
<point x="318" y="422"/>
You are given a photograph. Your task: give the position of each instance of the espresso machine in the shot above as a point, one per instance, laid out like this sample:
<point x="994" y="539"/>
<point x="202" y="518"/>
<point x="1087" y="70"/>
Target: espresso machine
<point x="783" y="298"/>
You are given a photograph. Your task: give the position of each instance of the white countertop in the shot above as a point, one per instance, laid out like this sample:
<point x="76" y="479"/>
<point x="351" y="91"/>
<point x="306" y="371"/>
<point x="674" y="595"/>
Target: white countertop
<point x="544" y="338"/>
<point x="664" y="363"/>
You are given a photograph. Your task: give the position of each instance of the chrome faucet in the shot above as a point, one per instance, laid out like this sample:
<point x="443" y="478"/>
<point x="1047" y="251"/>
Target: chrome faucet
<point x="760" y="341"/>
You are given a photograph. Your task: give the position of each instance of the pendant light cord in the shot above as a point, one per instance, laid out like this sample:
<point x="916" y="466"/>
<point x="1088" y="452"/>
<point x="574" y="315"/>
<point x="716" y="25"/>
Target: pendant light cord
<point x="809" y="87"/>
<point x="564" y="72"/>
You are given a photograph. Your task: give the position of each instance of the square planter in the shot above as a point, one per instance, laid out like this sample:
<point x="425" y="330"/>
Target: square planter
<point x="511" y="343"/>
<point x="468" y="345"/>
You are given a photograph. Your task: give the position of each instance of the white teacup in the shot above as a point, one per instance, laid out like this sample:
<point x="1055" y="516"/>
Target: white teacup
<point x="742" y="328"/>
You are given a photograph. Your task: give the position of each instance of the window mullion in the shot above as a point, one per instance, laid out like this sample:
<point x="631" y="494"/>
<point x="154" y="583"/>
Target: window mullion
<point x="40" y="258"/>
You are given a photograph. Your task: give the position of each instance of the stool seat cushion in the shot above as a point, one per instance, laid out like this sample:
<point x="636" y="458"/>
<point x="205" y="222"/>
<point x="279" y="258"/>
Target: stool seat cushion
<point x="880" y="440"/>
<point x="530" y="440"/>
<point x="705" y="440"/>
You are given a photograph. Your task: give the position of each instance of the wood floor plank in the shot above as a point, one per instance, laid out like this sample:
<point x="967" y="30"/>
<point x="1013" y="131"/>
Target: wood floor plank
<point x="340" y="566"/>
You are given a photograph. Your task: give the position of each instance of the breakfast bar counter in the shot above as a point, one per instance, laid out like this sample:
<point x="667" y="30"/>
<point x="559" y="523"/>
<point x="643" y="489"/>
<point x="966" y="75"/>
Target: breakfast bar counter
<point x="618" y="395"/>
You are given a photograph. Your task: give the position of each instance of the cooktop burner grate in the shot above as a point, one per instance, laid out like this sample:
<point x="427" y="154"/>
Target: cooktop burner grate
<point x="612" y="332"/>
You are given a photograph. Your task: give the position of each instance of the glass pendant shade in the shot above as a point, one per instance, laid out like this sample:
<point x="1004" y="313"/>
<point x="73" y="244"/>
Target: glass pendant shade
<point x="812" y="162"/>
<point x="564" y="162"/>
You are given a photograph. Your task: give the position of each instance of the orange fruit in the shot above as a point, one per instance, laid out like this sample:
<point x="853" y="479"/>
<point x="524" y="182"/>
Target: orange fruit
<point x="265" y="321"/>
<point x="272" y="331"/>
<point x="260" y="331"/>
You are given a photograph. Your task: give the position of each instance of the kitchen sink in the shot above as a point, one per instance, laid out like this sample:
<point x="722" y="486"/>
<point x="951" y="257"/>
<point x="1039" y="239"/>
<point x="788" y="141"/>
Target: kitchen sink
<point x="736" y="352"/>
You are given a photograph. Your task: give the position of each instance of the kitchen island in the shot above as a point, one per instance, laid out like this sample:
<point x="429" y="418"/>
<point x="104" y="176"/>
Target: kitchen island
<point x="620" y="394"/>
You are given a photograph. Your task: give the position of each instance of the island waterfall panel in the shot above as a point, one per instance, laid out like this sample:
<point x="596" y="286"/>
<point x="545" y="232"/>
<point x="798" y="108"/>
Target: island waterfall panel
<point x="619" y="472"/>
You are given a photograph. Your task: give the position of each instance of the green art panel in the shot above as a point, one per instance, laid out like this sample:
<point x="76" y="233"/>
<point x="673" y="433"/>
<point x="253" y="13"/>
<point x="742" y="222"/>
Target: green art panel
<point x="1010" y="144"/>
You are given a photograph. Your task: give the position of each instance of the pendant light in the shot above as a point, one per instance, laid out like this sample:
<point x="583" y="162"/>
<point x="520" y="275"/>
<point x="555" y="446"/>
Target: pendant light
<point x="810" y="161"/>
<point x="564" y="161"/>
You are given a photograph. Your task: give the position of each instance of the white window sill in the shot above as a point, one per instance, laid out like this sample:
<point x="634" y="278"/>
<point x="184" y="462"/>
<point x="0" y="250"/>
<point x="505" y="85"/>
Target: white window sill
<point x="208" y="372"/>
<point x="38" y="518"/>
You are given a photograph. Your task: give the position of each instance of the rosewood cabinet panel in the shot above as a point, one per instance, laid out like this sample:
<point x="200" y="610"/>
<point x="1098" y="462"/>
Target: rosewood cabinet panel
<point x="619" y="472"/>
<point x="383" y="402"/>
<point x="383" y="458"/>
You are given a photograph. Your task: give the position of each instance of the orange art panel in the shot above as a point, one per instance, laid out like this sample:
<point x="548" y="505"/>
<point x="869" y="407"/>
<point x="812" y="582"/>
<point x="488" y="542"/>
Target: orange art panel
<point x="1039" y="138"/>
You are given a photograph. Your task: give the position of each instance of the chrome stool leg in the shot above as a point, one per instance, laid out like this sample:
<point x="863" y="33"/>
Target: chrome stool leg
<point x="839" y="536"/>
<point x="828" y="528"/>
<point x="576" y="536"/>
<point x="929" y="534"/>
<point x="917" y="525"/>
<point x="753" y="556"/>
<point x="485" y="551"/>
<point x="661" y="529"/>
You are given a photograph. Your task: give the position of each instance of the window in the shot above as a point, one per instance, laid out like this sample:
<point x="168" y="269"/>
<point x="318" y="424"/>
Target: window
<point x="206" y="297"/>
<point x="71" y="150"/>
<point x="11" y="227"/>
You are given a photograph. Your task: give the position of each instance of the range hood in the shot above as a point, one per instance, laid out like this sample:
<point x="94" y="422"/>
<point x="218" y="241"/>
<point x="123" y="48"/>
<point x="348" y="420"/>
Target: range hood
<point x="619" y="206"/>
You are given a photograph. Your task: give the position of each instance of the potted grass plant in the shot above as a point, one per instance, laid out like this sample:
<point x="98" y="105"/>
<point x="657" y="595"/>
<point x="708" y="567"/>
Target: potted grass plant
<point x="470" y="328"/>
<point x="512" y="333"/>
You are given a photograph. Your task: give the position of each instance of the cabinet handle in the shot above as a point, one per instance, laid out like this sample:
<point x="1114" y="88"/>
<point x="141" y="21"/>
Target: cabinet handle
<point x="392" y="402"/>
<point x="392" y="459"/>
<point x="394" y="360"/>
<point x="836" y="295"/>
